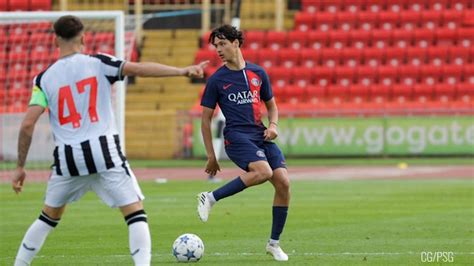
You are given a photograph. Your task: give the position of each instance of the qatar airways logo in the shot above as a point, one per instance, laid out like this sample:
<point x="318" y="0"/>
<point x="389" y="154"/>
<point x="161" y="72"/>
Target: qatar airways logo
<point x="244" y="97"/>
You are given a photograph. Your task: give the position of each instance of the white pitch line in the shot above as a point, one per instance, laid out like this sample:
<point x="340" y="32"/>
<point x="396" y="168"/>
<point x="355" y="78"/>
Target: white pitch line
<point x="249" y="254"/>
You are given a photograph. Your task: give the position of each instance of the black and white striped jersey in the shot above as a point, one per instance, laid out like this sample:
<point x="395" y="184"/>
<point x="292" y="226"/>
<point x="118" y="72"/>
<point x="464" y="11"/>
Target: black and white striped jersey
<point x="77" y="90"/>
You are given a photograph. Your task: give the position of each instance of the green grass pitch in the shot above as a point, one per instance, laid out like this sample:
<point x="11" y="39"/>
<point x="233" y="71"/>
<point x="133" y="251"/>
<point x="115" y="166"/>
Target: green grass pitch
<point x="330" y="223"/>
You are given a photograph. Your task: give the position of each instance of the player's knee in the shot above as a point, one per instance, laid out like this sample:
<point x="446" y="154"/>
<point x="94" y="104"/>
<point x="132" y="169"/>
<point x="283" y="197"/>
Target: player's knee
<point x="264" y="174"/>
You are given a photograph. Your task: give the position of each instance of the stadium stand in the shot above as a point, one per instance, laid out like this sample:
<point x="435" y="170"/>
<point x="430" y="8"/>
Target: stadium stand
<point x="388" y="57"/>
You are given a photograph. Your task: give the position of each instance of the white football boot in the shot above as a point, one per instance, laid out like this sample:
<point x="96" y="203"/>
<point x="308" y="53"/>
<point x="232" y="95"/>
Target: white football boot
<point x="204" y="206"/>
<point x="276" y="251"/>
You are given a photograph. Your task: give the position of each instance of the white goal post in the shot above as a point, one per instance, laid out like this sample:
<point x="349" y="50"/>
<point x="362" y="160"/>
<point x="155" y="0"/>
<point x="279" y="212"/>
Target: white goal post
<point x="9" y="123"/>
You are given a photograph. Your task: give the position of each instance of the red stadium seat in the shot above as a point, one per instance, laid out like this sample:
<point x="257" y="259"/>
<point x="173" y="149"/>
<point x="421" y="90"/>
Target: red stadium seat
<point x="424" y="37"/>
<point x="402" y="38"/>
<point x="359" y="93"/>
<point x="460" y="55"/>
<point x="379" y="93"/>
<point x="331" y="57"/>
<point x="402" y="93"/>
<point x="255" y="40"/>
<point x="352" y="56"/>
<point x="366" y="75"/>
<point x="311" y="6"/>
<point x="430" y="74"/>
<point x="388" y="20"/>
<point x="42" y="42"/>
<point x="339" y="39"/>
<point x="468" y="74"/>
<point x="325" y="21"/>
<point x="360" y="38"/>
<point x="452" y="74"/>
<point x="345" y="75"/>
<point x="354" y="6"/>
<point x="466" y="36"/>
<point x="423" y="92"/>
<point x="452" y="19"/>
<point x="465" y="92"/>
<point x="374" y="56"/>
<point x="310" y="57"/>
<point x="276" y="40"/>
<point x="387" y="75"/>
<point x="19" y="5"/>
<point x="445" y="37"/>
<point x="381" y="38"/>
<point x="346" y="21"/>
<point x="374" y="5"/>
<point x="444" y="92"/>
<point x="367" y="20"/>
<point x="3" y="5"/>
<point x="317" y="39"/>
<point x="430" y="19"/>
<point x="249" y="55"/>
<point x="461" y="4"/>
<point x="210" y="55"/>
<point x="279" y="76"/>
<point x="323" y="76"/>
<point x="288" y="58"/>
<point x="437" y="55"/>
<point x="297" y="39"/>
<point x="305" y="21"/>
<point x="302" y="76"/>
<point x="408" y="74"/>
<point x="267" y="58"/>
<point x="410" y="19"/>
<point x="395" y="56"/>
<point x="395" y="5"/>
<point x="40" y="5"/>
<point x="337" y="93"/>
<point x="294" y="94"/>
<point x="416" y="56"/>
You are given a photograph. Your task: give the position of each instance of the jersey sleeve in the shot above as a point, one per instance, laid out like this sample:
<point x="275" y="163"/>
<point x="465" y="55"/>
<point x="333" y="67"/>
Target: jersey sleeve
<point x="111" y="67"/>
<point x="266" y="93"/>
<point x="209" y="98"/>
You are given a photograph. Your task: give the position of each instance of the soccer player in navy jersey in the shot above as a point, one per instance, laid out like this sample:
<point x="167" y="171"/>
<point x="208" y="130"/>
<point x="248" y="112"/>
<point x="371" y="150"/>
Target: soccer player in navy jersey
<point x="239" y="87"/>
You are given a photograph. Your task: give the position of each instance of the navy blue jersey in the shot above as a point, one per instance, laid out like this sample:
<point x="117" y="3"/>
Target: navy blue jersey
<point x="239" y="94"/>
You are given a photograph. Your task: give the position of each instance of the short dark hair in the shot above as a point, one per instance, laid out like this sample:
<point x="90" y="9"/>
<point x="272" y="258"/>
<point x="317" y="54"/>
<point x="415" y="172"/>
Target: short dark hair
<point x="68" y="27"/>
<point x="227" y="32"/>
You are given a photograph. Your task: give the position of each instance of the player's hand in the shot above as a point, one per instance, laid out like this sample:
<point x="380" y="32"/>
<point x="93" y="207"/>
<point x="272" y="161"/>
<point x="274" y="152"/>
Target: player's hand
<point x="270" y="133"/>
<point x="196" y="71"/>
<point x="18" y="179"/>
<point x="212" y="167"/>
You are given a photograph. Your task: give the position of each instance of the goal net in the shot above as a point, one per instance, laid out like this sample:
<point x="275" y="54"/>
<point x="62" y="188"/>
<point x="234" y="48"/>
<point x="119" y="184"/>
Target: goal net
<point x="26" y="49"/>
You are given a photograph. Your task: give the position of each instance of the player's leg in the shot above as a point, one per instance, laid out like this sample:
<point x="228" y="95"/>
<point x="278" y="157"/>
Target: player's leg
<point x="37" y="233"/>
<point x="258" y="172"/>
<point x="118" y="187"/>
<point x="281" y="200"/>
<point x="61" y="190"/>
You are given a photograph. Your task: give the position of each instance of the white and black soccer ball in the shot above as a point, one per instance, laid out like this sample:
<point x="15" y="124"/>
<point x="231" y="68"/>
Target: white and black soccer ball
<point x="188" y="248"/>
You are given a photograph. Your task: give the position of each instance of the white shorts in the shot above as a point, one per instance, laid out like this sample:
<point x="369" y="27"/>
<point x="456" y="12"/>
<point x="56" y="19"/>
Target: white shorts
<point x="114" y="187"/>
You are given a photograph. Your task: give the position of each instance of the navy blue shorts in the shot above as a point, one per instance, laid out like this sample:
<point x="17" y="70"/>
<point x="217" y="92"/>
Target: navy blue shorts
<point x="242" y="151"/>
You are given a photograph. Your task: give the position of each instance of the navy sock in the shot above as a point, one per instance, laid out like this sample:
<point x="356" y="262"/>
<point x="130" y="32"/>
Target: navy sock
<point x="229" y="189"/>
<point x="279" y="218"/>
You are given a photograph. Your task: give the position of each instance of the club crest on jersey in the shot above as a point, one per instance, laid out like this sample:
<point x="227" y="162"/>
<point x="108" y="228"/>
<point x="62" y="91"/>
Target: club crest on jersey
<point x="261" y="154"/>
<point x="244" y="97"/>
<point x="255" y="81"/>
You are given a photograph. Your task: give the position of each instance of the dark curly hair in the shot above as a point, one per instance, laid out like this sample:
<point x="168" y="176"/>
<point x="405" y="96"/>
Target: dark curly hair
<point x="68" y="27"/>
<point x="227" y="32"/>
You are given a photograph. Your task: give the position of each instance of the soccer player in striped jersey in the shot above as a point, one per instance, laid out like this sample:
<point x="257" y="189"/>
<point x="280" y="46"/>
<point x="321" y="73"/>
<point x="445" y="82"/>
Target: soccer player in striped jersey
<point x="239" y="87"/>
<point x="76" y="89"/>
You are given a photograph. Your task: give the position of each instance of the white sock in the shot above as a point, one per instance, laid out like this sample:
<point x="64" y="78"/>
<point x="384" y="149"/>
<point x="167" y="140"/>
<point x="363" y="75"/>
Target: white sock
<point x="273" y="242"/>
<point x="139" y="238"/>
<point x="212" y="200"/>
<point x="34" y="239"/>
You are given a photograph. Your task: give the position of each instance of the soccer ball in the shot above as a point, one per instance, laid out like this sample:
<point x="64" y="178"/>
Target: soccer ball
<point x="188" y="248"/>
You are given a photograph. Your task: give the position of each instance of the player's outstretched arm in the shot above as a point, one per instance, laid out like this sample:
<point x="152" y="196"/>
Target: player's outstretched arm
<point x="150" y="69"/>
<point x="212" y="165"/>
<point x="24" y="142"/>
<point x="271" y="132"/>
